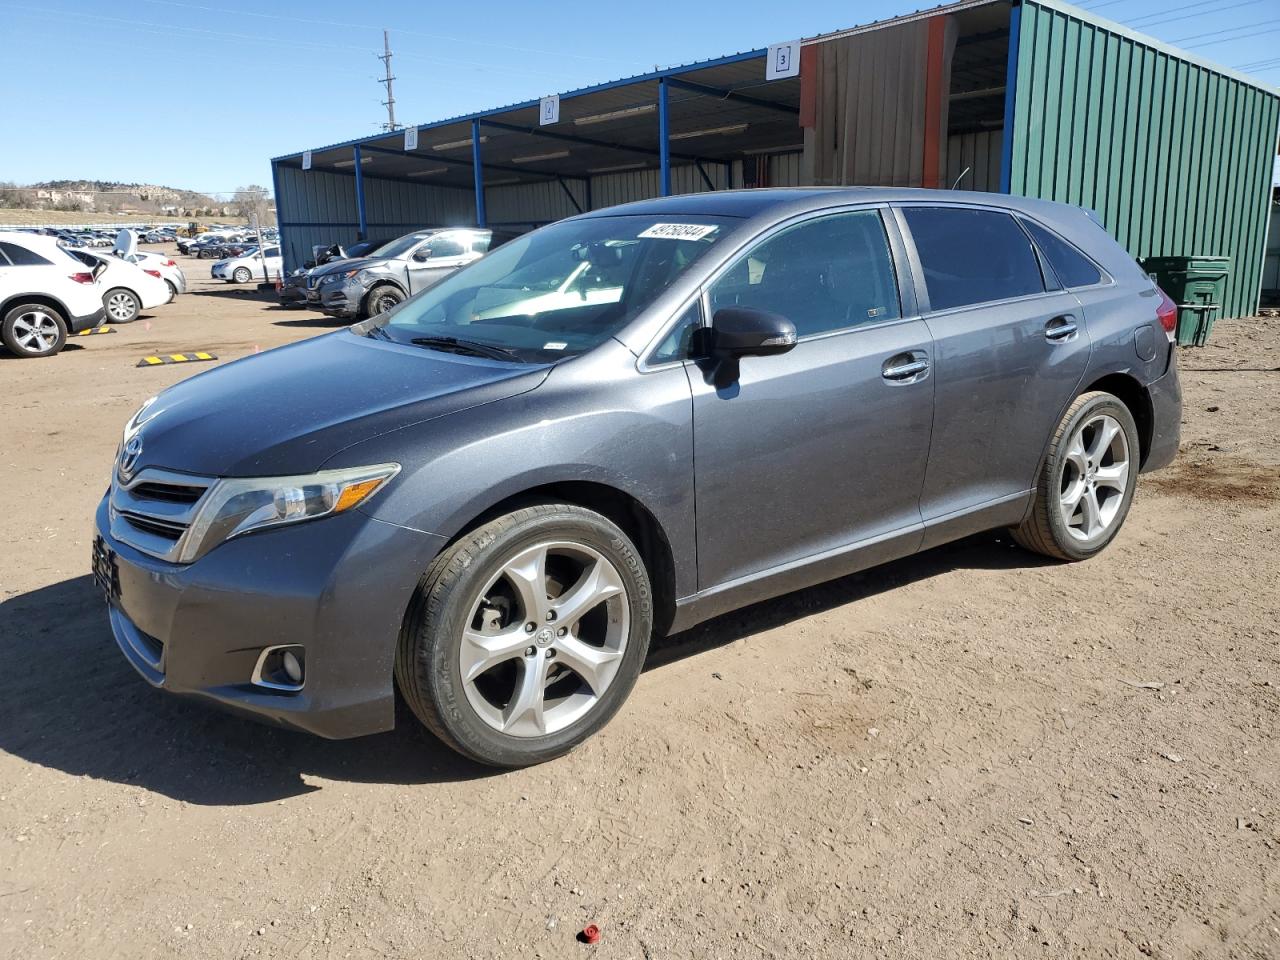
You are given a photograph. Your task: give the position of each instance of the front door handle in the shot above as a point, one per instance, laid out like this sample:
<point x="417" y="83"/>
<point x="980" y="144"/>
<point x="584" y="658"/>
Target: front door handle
<point x="905" y="367"/>
<point x="1061" y="329"/>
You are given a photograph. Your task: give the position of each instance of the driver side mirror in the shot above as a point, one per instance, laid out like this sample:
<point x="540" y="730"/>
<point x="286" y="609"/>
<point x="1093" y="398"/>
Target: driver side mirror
<point x="423" y="255"/>
<point x="738" y="332"/>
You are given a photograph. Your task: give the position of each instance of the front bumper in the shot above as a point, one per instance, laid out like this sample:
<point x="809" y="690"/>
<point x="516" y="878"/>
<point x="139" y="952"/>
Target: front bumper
<point x="342" y="299"/>
<point x="338" y="587"/>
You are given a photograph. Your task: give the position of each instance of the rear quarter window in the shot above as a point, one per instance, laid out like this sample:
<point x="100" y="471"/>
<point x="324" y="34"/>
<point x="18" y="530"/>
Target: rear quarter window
<point x="1073" y="268"/>
<point x="972" y="256"/>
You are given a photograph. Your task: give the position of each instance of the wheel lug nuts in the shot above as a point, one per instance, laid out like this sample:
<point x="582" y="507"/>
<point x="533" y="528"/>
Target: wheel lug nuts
<point x="561" y="632"/>
<point x="551" y="653"/>
<point x="530" y="627"/>
<point x="551" y="615"/>
<point x="531" y="651"/>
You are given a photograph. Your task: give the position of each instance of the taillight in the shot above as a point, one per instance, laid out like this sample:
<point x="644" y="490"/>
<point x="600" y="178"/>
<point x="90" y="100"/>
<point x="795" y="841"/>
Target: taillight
<point x="154" y="273"/>
<point x="1167" y="313"/>
<point x="82" y="277"/>
<point x="170" y="263"/>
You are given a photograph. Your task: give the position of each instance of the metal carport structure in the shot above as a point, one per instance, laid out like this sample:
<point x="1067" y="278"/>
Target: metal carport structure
<point x="1034" y="97"/>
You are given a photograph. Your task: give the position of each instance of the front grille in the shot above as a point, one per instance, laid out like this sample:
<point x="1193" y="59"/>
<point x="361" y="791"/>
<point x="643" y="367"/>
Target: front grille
<point x="153" y="511"/>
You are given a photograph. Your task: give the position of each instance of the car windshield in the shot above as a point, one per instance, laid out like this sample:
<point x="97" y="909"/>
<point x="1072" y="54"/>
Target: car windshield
<point x="400" y="246"/>
<point x="553" y="293"/>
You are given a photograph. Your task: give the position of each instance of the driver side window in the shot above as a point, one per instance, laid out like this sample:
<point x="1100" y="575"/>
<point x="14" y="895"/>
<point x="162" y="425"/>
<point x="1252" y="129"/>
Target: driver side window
<point x="441" y="247"/>
<point x="831" y="273"/>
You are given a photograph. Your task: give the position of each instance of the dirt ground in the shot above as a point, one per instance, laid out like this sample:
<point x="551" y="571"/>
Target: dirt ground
<point x="970" y="753"/>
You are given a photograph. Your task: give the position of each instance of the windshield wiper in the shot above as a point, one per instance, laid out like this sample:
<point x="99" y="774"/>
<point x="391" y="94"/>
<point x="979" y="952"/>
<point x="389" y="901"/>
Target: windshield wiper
<point x="469" y="347"/>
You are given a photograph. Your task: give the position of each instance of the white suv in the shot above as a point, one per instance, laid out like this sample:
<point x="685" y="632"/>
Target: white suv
<point x="44" y="295"/>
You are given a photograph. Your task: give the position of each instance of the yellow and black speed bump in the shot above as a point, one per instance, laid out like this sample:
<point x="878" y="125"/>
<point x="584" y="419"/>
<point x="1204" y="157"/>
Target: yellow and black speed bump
<point x="164" y="358"/>
<point x="95" y="330"/>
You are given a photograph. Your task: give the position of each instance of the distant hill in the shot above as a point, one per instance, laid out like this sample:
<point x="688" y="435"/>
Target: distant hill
<point x="110" y="197"/>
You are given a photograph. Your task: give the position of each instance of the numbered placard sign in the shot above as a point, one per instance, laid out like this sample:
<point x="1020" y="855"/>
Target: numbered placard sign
<point x="783" y="61"/>
<point x="411" y="138"/>
<point x="549" y="110"/>
<point x="306" y="159"/>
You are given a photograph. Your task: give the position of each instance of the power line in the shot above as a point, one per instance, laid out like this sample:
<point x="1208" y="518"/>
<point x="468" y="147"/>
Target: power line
<point x="222" y="11"/>
<point x="1215" y="33"/>
<point x="1161" y="19"/>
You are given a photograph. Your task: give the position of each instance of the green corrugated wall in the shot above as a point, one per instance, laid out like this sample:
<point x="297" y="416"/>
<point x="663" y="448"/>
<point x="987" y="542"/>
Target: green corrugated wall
<point x="1175" y="157"/>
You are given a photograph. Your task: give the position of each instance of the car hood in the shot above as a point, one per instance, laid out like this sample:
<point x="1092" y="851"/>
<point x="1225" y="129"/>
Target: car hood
<point x="289" y="410"/>
<point x="342" y="266"/>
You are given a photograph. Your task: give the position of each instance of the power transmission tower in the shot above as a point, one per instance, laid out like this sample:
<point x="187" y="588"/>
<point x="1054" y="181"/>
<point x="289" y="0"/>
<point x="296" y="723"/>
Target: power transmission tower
<point x="390" y="102"/>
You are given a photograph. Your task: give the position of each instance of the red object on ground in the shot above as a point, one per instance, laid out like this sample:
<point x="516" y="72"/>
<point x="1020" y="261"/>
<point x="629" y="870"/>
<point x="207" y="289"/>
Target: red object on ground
<point x="590" y="934"/>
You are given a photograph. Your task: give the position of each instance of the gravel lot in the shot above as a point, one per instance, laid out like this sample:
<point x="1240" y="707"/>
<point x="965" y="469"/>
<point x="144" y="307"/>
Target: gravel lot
<point x="969" y="753"/>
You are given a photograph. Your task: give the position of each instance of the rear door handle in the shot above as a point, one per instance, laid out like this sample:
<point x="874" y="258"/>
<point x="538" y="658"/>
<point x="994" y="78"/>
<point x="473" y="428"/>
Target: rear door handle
<point x="905" y="367"/>
<point x="1060" y="329"/>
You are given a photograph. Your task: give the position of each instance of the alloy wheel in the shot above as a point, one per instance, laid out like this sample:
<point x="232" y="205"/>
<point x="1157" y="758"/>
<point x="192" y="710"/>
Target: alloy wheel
<point x="35" y="331"/>
<point x="545" y="639"/>
<point x="1095" y="477"/>
<point x="120" y="306"/>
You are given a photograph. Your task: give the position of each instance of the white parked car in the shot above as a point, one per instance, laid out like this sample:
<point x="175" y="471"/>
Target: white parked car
<point x="156" y="264"/>
<point x="128" y="289"/>
<point x="44" y="294"/>
<point x="249" y="266"/>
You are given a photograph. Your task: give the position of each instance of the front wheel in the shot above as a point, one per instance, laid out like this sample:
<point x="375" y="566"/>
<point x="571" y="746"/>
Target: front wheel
<point x="122" y="305"/>
<point x="382" y="298"/>
<point x="242" y="275"/>
<point x="33" y="330"/>
<point x="1087" y="481"/>
<point x="526" y="635"/>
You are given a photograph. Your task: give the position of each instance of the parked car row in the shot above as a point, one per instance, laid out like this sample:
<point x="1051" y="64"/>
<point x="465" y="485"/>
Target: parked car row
<point x="359" y="283"/>
<point x="208" y="245"/>
<point x="247" y="263"/>
<point x="49" y="289"/>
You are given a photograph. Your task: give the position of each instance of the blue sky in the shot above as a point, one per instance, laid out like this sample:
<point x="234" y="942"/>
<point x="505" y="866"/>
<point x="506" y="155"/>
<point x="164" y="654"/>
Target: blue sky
<point x="201" y="93"/>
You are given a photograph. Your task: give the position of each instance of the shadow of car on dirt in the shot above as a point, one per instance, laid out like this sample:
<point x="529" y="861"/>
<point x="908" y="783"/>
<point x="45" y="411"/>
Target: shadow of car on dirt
<point x="69" y="700"/>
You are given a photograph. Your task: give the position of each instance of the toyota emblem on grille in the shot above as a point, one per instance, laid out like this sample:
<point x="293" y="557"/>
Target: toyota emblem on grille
<point x="129" y="456"/>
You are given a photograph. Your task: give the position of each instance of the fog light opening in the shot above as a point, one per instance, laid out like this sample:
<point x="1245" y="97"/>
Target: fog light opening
<point x="281" y="668"/>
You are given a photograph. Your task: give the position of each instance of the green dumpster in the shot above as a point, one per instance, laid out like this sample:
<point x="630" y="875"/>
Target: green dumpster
<point x="1197" y="285"/>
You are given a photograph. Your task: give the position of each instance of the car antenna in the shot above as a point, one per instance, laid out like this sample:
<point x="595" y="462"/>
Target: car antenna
<point x="961" y="177"/>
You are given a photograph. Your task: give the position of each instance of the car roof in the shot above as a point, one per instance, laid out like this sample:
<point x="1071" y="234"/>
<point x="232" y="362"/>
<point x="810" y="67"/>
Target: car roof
<point x="29" y="240"/>
<point x="753" y="202"/>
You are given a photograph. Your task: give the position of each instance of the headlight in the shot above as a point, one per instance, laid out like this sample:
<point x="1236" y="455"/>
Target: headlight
<point x="238" y="505"/>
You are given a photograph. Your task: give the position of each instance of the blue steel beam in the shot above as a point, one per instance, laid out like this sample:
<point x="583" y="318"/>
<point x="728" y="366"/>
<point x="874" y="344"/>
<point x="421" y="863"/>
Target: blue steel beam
<point x="1010" y="88"/>
<point x="364" y="220"/>
<point x="664" y="140"/>
<point x="569" y="193"/>
<point x="725" y="94"/>
<point x="454" y="162"/>
<point x="585" y="141"/>
<point x="479" y="171"/>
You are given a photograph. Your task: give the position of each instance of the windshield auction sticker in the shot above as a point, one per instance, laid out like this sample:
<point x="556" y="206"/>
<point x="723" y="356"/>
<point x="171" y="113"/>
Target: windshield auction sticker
<point x="678" y="231"/>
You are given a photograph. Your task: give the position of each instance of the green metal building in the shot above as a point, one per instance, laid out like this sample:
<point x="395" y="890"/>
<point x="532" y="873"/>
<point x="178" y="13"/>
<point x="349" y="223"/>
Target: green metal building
<point x="1034" y="97"/>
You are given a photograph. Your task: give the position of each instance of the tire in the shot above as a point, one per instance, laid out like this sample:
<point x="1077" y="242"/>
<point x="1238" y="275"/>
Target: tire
<point x="122" y="306"/>
<point x="242" y="275"/>
<point x="33" y="330"/>
<point x="469" y="591"/>
<point x="173" y="291"/>
<point x="1086" y="483"/>
<point x="382" y="298"/>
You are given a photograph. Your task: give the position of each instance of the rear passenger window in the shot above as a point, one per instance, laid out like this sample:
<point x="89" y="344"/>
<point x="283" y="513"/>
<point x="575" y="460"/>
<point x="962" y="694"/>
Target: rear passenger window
<point x="20" y="256"/>
<point x="1071" y="266"/>
<point x="972" y="256"/>
<point x="822" y="275"/>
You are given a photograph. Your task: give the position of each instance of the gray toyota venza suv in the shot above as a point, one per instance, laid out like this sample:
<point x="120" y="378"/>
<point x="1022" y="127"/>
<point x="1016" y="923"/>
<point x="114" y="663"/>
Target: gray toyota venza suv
<point x="491" y="497"/>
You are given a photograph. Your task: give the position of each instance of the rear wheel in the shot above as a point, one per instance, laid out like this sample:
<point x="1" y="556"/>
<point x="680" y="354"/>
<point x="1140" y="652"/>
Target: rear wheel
<point x="33" y="330"/>
<point x="1086" y="484"/>
<point x="382" y="298"/>
<point x="526" y="635"/>
<point x="173" y="291"/>
<point x="122" y="306"/>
